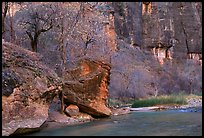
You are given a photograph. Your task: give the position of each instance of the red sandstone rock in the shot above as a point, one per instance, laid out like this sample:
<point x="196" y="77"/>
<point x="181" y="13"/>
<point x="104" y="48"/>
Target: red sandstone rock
<point x="72" y="110"/>
<point x="88" y="90"/>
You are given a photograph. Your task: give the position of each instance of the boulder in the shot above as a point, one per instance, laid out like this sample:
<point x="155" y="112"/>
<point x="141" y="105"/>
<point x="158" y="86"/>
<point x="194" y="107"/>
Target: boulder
<point x="72" y="110"/>
<point x="83" y="117"/>
<point x="57" y="120"/>
<point x="28" y="87"/>
<point x="85" y="85"/>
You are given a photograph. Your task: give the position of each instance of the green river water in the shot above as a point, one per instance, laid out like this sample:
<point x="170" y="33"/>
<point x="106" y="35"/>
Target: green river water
<point x="154" y="123"/>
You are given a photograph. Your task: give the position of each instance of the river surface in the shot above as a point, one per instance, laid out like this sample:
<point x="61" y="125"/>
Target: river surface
<point x="151" y="123"/>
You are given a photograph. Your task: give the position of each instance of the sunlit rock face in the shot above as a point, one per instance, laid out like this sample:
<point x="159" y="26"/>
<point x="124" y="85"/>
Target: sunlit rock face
<point x="86" y="85"/>
<point x="28" y="88"/>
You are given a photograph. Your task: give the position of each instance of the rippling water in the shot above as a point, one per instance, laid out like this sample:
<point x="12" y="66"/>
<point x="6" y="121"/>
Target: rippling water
<point x="155" y="123"/>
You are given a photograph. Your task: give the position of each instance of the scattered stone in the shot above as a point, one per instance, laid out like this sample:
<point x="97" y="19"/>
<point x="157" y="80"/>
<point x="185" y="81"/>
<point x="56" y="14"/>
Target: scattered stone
<point x="121" y="111"/>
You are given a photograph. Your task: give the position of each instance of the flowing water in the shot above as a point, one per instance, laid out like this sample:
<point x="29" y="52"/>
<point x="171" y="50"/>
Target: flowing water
<point x="154" y="123"/>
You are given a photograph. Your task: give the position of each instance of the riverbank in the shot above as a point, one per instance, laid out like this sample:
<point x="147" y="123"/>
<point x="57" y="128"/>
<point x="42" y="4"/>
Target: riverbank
<point x="151" y="123"/>
<point x="194" y="104"/>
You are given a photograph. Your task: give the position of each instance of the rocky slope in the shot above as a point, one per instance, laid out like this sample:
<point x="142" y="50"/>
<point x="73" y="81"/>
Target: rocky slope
<point x="29" y="88"/>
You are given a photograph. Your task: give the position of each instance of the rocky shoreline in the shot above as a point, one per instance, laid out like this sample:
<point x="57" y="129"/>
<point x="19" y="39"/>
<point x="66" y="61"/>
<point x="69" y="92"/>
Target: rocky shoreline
<point x="194" y="104"/>
<point x="61" y="120"/>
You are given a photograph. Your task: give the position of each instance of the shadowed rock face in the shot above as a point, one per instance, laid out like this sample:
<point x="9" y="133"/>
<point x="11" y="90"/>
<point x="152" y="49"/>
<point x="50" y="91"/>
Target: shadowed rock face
<point x="88" y="87"/>
<point x="28" y="89"/>
<point x="128" y="21"/>
<point x="160" y="24"/>
<point x="170" y="51"/>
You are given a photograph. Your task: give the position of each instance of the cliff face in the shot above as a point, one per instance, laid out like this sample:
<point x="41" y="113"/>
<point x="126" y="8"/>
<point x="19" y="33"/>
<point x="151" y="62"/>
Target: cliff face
<point x="128" y="22"/>
<point x="171" y="32"/>
<point x="172" y="26"/>
<point x="176" y="25"/>
<point x="152" y="47"/>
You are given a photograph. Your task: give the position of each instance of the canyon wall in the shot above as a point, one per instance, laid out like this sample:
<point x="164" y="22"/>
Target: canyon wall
<point x="152" y="47"/>
<point x="167" y="47"/>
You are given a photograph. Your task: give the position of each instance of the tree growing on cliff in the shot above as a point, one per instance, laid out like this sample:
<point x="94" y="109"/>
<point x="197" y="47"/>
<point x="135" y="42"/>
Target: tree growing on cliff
<point x="80" y="27"/>
<point x="36" y="19"/>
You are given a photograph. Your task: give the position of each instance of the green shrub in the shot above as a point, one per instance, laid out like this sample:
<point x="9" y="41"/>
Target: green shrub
<point x="161" y="100"/>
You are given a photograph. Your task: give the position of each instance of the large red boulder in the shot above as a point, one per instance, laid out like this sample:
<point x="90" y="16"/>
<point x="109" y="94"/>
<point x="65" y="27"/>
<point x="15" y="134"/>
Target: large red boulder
<point x="88" y="88"/>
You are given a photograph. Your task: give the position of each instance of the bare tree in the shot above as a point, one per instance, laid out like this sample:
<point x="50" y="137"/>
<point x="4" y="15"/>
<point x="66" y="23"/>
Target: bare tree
<point x="37" y="19"/>
<point x="77" y="29"/>
<point x="5" y="7"/>
<point x="64" y="27"/>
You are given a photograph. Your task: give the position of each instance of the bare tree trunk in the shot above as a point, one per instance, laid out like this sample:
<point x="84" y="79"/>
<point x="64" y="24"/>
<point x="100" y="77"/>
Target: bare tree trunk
<point x="12" y="31"/>
<point x="34" y="45"/>
<point x="33" y="40"/>
<point x="64" y="60"/>
<point x="63" y="47"/>
<point x="63" y="52"/>
<point x="5" y="10"/>
<point x="11" y="24"/>
<point x="61" y="97"/>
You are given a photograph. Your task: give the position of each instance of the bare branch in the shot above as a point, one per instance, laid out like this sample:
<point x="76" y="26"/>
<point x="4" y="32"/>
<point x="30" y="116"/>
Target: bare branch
<point x="45" y="30"/>
<point x="29" y="35"/>
<point x="77" y="17"/>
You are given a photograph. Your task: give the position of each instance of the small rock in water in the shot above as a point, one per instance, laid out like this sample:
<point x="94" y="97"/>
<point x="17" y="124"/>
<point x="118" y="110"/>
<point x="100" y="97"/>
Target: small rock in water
<point x="183" y="110"/>
<point x="115" y="121"/>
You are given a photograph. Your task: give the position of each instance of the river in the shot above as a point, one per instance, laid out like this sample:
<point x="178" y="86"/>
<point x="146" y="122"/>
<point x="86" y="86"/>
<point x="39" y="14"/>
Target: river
<point x="151" y="123"/>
